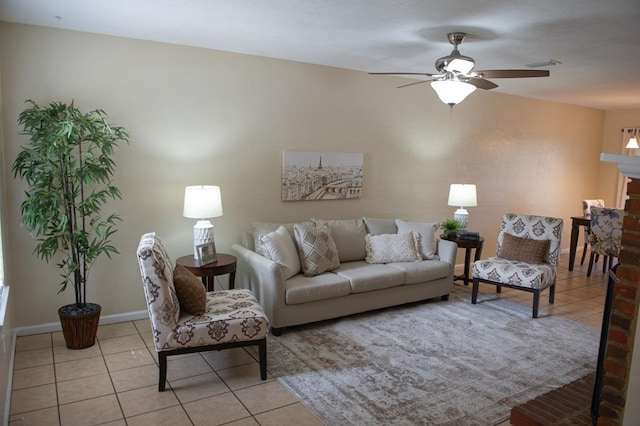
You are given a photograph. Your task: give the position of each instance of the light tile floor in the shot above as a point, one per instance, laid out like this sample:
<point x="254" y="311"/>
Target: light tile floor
<point x="115" y="381"/>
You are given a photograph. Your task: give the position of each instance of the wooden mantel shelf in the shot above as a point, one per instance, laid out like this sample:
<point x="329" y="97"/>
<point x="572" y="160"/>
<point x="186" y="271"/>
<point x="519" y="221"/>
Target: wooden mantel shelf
<point x="628" y="165"/>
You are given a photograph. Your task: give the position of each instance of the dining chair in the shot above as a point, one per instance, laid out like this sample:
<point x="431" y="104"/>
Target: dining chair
<point x="586" y="212"/>
<point x="606" y="236"/>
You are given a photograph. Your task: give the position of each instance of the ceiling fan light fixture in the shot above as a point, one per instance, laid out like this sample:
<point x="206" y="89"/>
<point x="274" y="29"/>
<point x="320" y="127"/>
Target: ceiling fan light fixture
<point x="452" y="92"/>
<point x="462" y="65"/>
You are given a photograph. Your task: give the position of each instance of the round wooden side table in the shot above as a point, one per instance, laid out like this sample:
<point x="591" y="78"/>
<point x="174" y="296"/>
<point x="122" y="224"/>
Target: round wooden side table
<point x="468" y="245"/>
<point x="225" y="264"/>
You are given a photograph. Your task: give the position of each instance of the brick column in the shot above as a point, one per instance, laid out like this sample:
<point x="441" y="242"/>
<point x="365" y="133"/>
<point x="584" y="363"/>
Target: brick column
<point x="622" y="330"/>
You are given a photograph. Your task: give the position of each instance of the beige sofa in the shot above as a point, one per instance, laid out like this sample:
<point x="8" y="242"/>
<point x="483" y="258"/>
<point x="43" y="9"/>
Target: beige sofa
<point x="381" y="263"/>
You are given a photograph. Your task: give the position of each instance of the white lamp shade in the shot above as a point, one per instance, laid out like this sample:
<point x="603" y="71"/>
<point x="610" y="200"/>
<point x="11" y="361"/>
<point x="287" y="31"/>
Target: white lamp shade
<point x="202" y="201"/>
<point x="452" y="92"/>
<point x="462" y="195"/>
<point x="633" y="143"/>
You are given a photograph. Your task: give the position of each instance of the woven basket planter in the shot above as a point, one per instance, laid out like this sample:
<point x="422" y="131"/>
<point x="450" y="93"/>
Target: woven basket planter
<point x="80" y="324"/>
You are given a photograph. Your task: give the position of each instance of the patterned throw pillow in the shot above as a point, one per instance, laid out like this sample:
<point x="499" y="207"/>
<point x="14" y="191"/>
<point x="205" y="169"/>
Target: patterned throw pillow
<point x="279" y="247"/>
<point x="317" y="249"/>
<point x="524" y="249"/>
<point x="427" y="231"/>
<point x="191" y="293"/>
<point x="388" y="248"/>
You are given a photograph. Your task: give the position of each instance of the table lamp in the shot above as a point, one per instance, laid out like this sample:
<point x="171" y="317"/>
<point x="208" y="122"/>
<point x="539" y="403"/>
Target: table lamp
<point x="202" y="202"/>
<point x="462" y="195"/>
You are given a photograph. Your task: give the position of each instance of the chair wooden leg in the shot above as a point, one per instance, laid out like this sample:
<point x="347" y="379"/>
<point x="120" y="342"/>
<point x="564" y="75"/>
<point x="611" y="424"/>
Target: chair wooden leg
<point x="536" y="303"/>
<point x="590" y="264"/>
<point x="474" y="291"/>
<point x="584" y="253"/>
<point x="262" y="354"/>
<point x="552" y="294"/>
<point x="162" y="361"/>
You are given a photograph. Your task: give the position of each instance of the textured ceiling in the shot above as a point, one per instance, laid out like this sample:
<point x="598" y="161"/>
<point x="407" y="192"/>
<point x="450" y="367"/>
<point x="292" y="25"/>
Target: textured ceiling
<point x="596" y="41"/>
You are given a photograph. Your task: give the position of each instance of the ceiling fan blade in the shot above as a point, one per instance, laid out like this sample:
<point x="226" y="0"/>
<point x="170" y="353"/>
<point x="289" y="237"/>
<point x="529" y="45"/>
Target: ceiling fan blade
<point x="481" y="83"/>
<point x="403" y="73"/>
<point x="411" y="84"/>
<point x="512" y="73"/>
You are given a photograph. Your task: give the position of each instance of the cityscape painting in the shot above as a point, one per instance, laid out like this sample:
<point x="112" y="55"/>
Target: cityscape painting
<point x="321" y="176"/>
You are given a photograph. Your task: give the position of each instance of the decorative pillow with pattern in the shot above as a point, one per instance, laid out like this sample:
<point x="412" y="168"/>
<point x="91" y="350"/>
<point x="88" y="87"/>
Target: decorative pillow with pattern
<point x="524" y="249"/>
<point x="317" y="249"/>
<point x="388" y="248"/>
<point x="191" y="293"/>
<point x="427" y="231"/>
<point x="279" y="247"/>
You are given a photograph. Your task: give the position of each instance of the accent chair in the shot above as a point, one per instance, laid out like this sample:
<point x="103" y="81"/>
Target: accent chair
<point x="526" y="257"/>
<point x="227" y="319"/>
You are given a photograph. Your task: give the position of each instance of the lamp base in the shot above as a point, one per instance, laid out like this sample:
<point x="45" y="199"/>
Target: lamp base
<point x="462" y="217"/>
<point x="202" y="234"/>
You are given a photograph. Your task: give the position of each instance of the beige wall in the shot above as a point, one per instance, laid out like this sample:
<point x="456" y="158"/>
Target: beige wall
<point x="201" y="116"/>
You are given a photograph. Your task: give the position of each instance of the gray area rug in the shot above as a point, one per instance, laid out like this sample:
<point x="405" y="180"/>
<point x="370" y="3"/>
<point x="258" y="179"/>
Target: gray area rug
<point x="434" y="363"/>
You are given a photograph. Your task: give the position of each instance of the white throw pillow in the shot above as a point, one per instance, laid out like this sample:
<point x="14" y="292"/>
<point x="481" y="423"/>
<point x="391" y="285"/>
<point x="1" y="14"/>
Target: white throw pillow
<point x="427" y="231"/>
<point x="388" y="248"/>
<point x="279" y="247"/>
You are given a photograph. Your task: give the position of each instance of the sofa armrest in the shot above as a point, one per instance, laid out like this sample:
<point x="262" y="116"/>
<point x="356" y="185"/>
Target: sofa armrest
<point x="262" y="276"/>
<point x="447" y="250"/>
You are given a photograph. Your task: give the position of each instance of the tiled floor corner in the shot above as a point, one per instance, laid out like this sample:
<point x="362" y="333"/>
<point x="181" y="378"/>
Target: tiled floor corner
<point x="115" y="381"/>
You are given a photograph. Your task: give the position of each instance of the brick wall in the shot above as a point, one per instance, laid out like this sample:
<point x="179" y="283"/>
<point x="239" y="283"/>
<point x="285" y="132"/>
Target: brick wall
<point x="622" y="330"/>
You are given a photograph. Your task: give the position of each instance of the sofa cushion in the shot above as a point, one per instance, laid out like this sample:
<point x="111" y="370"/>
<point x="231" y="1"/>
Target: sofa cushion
<point x="301" y="289"/>
<point x="348" y="235"/>
<point x="387" y="248"/>
<point x="363" y="276"/>
<point x="317" y="249"/>
<point x="279" y="247"/>
<point x="419" y="272"/>
<point x="524" y="249"/>
<point x="427" y="231"/>
<point x="377" y="226"/>
<point x="190" y="291"/>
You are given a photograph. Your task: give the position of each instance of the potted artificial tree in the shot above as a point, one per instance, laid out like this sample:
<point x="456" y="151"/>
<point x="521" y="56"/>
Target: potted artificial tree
<point x="68" y="167"/>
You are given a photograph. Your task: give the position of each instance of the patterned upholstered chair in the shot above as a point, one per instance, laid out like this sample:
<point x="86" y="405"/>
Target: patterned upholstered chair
<point x="526" y="258"/>
<point x="606" y="235"/>
<point x="232" y="318"/>
<point x="586" y="212"/>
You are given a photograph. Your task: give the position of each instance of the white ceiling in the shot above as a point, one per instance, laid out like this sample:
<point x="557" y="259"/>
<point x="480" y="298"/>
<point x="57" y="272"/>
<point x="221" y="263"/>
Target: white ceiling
<point x="596" y="41"/>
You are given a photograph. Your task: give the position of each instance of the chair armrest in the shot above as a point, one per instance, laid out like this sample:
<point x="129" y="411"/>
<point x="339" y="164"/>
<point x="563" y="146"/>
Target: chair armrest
<point x="262" y="276"/>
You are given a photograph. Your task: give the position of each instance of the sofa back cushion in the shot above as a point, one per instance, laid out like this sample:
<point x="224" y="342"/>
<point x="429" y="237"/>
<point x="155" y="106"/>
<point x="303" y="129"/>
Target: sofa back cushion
<point x="348" y="235"/>
<point x="379" y="226"/>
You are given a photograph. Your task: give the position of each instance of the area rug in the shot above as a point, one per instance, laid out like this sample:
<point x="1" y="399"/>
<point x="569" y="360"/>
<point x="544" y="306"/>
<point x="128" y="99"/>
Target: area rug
<point x="432" y="363"/>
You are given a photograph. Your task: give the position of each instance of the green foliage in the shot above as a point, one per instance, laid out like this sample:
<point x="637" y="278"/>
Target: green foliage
<point x="68" y="168"/>
<point x="450" y="224"/>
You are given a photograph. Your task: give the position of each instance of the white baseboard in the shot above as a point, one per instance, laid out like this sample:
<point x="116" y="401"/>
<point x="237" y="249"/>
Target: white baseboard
<point x="104" y="319"/>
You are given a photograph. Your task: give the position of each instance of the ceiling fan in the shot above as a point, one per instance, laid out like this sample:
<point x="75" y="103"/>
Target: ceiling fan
<point x="456" y="79"/>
